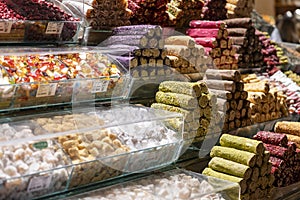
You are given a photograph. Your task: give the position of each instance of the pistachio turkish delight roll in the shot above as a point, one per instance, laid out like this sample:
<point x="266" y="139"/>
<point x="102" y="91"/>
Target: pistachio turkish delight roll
<point x="204" y="100"/>
<point x="192" y="89"/>
<point x="188" y="115"/>
<point x="240" y="181"/>
<point x="242" y="143"/>
<point x="181" y="100"/>
<point x="239" y="156"/>
<point x="230" y="167"/>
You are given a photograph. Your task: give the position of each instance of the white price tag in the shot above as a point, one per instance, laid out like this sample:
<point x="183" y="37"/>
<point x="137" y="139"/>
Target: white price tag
<point x="54" y="27"/>
<point x="5" y="27"/>
<point x="277" y="75"/>
<point x="45" y="90"/>
<point x="100" y="86"/>
<point x="39" y="183"/>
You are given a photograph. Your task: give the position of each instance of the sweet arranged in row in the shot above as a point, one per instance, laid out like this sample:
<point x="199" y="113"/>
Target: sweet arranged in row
<point x="37" y="21"/>
<point x="34" y="79"/>
<point x="270" y="159"/>
<point x="35" y="168"/>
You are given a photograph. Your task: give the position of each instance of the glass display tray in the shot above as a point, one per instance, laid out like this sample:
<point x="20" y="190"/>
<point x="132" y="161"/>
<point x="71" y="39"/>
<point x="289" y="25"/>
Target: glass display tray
<point x="36" y="31"/>
<point x="167" y="185"/>
<point x="84" y="74"/>
<point x="50" y="153"/>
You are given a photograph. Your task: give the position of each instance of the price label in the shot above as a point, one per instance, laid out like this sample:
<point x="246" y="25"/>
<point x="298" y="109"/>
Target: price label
<point x="5" y="27"/>
<point x="100" y="86"/>
<point x="39" y="183"/>
<point x="45" y="90"/>
<point x="54" y="27"/>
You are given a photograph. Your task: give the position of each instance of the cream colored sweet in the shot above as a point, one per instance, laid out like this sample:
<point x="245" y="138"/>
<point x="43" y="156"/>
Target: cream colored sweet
<point x="159" y="187"/>
<point x="27" y="159"/>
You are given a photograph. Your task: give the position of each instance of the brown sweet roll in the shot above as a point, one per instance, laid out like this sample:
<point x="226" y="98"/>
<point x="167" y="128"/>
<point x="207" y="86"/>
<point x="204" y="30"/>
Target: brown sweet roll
<point x="230" y="75"/>
<point x="220" y="84"/>
<point x="288" y="127"/>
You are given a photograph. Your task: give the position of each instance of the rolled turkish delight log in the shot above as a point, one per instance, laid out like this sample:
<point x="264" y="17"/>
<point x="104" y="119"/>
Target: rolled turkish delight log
<point x="242" y="143"/>
<point x="291" y="146"/>
<point x="240" y="105"/>
<point x="221" y="85"/>
<point x="178" y="50"/>
<point x="204" y="87"/>
<point x="223" y="104"/>
<point x="222" y="94"/>
<point x="277" y="162"/>
<point x="175" y="61"/>
<point x="230" y="75"/>
<point x="146" y="30"/>
<point x="127" y="62"/>
<point x="294" y="138"/>
<point x="204" y="100"/>
<point x="292" y="128"/>
<point x="207" y="24"/>
<point x="201" y="32"/>
<point x="259" y="161"/>
<point x="272" y="138"/>
<point x="230" y="167"/>
<point x="240" y="181"/>
<point x="240" y="32"/>
<point x="209" y="42"/>
<point x="126" y="50"/>
<point x="255" y="100"/>
<point x="192" y="89"/>
<point x="133" y="40"/>
<point x="255" y="174"/>
<point x="263" y="169"/>
<point x="187" y="114"/>
<point x="181" y="100"/>
<point x="277" y="151"/>
<point x="239" y="156"/>
<point x="215" y="52"/>
<point x="266" y="156"/>
<point x="257" y="87"/>
<point x="238" y="22"/>
<point x="240" y="41"/>
<point x="180" y="40"/>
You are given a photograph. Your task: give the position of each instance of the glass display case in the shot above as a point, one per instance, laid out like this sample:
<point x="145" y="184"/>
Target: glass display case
<point x="39" y="22"/>
<point x="36" y="77"/>
<point x="48" y="153"/>
<point x="174" y="184"/>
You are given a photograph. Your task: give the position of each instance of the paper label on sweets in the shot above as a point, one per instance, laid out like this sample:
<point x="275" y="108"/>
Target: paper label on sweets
<point x="54" y="27"/>
<point x="39" y="183"/>
<point x="45" y="90"/>
<point x="100" y="86"/>
<point x="5" y="27"/>
<point x="294" y="87"/>
<point x="277" y="75"/>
